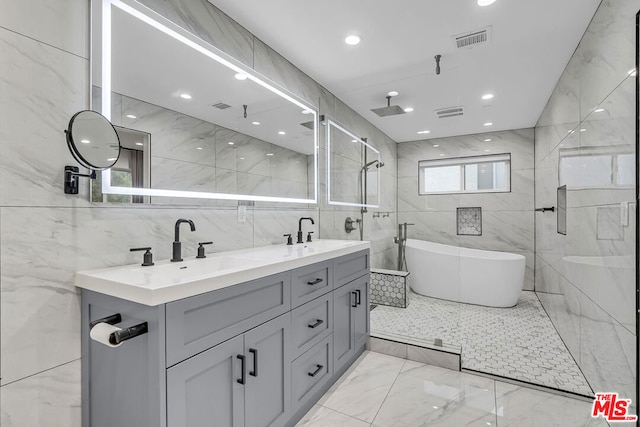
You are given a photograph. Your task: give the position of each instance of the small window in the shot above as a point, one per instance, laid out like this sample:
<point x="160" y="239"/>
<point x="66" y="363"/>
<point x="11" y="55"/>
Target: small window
<point x="476" y="174"/>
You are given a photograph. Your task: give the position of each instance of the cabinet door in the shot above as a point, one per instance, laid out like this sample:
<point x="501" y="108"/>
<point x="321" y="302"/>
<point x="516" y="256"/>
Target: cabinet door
<point x="204" y="390"/>
<point x="268" y="389"/>
<point x="361" y="315"/>
<point x="344" y="302"/>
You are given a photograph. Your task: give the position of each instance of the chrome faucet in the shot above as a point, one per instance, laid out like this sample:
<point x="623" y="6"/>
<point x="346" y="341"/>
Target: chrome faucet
<point x="177" y="246"/>
<point x="300" y="228"/>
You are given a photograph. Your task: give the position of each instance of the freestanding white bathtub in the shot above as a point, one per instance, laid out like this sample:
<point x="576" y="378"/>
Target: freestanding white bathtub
<point x="473" y="276"/>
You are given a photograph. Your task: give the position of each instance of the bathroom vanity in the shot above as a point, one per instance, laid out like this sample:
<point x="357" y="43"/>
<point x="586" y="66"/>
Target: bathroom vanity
<point x="242" y="338"/>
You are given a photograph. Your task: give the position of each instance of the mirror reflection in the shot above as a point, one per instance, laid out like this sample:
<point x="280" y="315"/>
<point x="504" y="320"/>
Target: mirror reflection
<point x="215" y="129"/>
<point x="354" y="169"/>
<point x="92" y="140"/>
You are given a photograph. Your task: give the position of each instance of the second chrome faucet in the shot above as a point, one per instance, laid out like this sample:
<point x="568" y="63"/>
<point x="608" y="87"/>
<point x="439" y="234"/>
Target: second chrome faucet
<point x="177" y="246"/>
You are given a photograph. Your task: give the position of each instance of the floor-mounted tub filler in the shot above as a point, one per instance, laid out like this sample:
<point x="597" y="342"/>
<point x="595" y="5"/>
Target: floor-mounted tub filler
<point x="489" y="278"/>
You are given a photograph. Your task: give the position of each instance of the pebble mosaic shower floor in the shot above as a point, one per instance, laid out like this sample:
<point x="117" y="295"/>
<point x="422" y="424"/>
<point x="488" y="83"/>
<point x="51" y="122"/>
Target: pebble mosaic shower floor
<point x="519" y="343"/>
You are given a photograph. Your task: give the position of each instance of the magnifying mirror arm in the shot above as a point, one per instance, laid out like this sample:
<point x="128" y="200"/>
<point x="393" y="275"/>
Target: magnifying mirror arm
<point x="71" y="178"/>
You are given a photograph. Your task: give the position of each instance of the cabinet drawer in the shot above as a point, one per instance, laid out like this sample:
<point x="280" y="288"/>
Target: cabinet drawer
<point x="310" y="282"/>
<point x="311" y="322"/>
<point x="311" y="371"/>
<point x="350" y="267"/>
<point x="197" y="323"/>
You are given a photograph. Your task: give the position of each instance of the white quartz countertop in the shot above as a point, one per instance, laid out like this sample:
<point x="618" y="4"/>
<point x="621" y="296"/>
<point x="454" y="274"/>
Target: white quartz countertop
<point x="170" y="281"/>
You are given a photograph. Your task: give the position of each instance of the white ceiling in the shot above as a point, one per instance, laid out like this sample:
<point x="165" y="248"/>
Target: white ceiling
<point x="532" y="41"/>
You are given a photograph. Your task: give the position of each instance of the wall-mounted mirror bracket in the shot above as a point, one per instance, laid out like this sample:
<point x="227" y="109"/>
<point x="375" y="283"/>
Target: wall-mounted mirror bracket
<point x="71" y="179"/>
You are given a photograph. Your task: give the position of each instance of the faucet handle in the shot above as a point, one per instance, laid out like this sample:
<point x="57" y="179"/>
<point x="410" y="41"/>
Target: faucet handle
<point x="147" y="259"/>
<point x="309" y="236"/>
<point x="201" y="249"/>
<point x="289" y="238"/>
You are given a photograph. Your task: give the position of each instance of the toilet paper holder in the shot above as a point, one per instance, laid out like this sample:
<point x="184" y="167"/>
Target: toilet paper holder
<point x="123" y="334"/>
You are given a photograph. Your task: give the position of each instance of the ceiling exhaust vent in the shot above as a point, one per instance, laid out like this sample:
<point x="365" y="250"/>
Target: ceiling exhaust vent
<point x="474" y="38"/>
<point x="221" y="106"/>
<point x="443" y="113"/>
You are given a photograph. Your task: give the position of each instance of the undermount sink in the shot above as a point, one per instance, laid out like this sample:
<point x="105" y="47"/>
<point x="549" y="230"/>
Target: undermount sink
<point x="169" y="281"/>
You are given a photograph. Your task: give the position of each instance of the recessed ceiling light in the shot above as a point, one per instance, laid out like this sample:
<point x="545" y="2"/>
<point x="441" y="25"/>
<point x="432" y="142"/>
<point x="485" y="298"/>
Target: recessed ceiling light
<point x="198" y="148"/>
<point x="241" y="158"/>
<point x="583" y="130"/>
<point x="441" y="155"/>
<point x="241" y="76"/>
<point x="436" y="145"/>
<point x="139" y="144"/>
<point x="306" y="111"/>
<point x="230" y="142"/>
<point x="422" y="132"/>
<point x="282" y="132"/>
<point x="85" y="141"/>
<point x="354" y="140"/>
<point x="599" y="110"/>
<point x="269" y="154"/>
<point x="255" y="123"/>
<point x="352" y="40"/>
<point x="185" y="96"/>
<point x="393" y="93"/>
<point x="488" y="124"/>
<point x="487" y="140"/>
<point x="131" y="116"/>
<point x="486" y="151"/>
<point x="434" y="407"/>
<point x="408" y="109"/>
<point x="111" y="159"/>
<point x="485" y="2"/>
<point x="487" y="96"/>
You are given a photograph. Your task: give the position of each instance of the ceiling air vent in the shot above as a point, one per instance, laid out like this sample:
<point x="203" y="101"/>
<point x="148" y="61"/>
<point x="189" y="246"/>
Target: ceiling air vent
<point x="473" y="38"/>
<point x="443" y="113"/>
<point x="221" y="106"/>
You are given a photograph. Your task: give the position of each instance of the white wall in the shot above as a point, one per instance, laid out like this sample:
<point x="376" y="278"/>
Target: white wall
<point x="586" y="279"/>
<point x="507" y="218"/>
<point x="46" y="236"/>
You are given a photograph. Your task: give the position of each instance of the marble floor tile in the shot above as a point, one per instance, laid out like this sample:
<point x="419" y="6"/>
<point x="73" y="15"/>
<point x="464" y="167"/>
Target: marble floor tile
<point x="361" y="390"/>
<point x="524" y="407"/>
<point x="432" y="396"/>
<point x="319" y="416"/>
<point x="519" y="343"/>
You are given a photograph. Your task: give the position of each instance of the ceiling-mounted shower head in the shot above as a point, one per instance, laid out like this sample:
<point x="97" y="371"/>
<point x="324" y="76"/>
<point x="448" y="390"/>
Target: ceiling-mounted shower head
<point x="437" y="57"/>
<point x="389" y="110"/>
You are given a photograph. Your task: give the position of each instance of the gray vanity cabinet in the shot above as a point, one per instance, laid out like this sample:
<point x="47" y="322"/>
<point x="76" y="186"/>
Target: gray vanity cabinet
<point x="350" y="320"/>
<point x="206" y="389"/>
<point x="254" y="354"/>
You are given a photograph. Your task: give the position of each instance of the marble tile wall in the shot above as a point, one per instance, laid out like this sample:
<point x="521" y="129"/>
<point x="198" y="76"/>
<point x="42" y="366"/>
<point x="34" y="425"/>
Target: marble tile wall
<point x="507" y="218"/>
<point x="586" y="279"/>
<point x="46" y="236"/>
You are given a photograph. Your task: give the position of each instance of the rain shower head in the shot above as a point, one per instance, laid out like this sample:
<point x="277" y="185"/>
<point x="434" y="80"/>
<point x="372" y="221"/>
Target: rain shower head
<point x="389" y="110"/>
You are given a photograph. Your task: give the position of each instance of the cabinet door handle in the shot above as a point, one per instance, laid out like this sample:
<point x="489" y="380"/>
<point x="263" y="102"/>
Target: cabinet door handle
<point x="314" y="282"/>
<point x="355" y="299"/>
<point x="254" y="351"/>
<point x="316" y="372"/>
<point x="358" y="297"/>
<point x="315" y="325"/>
<point x="242" y="379"/>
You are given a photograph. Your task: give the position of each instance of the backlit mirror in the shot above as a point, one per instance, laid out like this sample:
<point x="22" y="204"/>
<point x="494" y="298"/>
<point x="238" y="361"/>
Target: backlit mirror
<point x="353" y="169"/>
<point x="216" y="129"/>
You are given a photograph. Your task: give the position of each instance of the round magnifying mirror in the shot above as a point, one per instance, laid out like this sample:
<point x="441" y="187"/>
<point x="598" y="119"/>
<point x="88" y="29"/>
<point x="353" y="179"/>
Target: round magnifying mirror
<point x="92" y="140"/>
